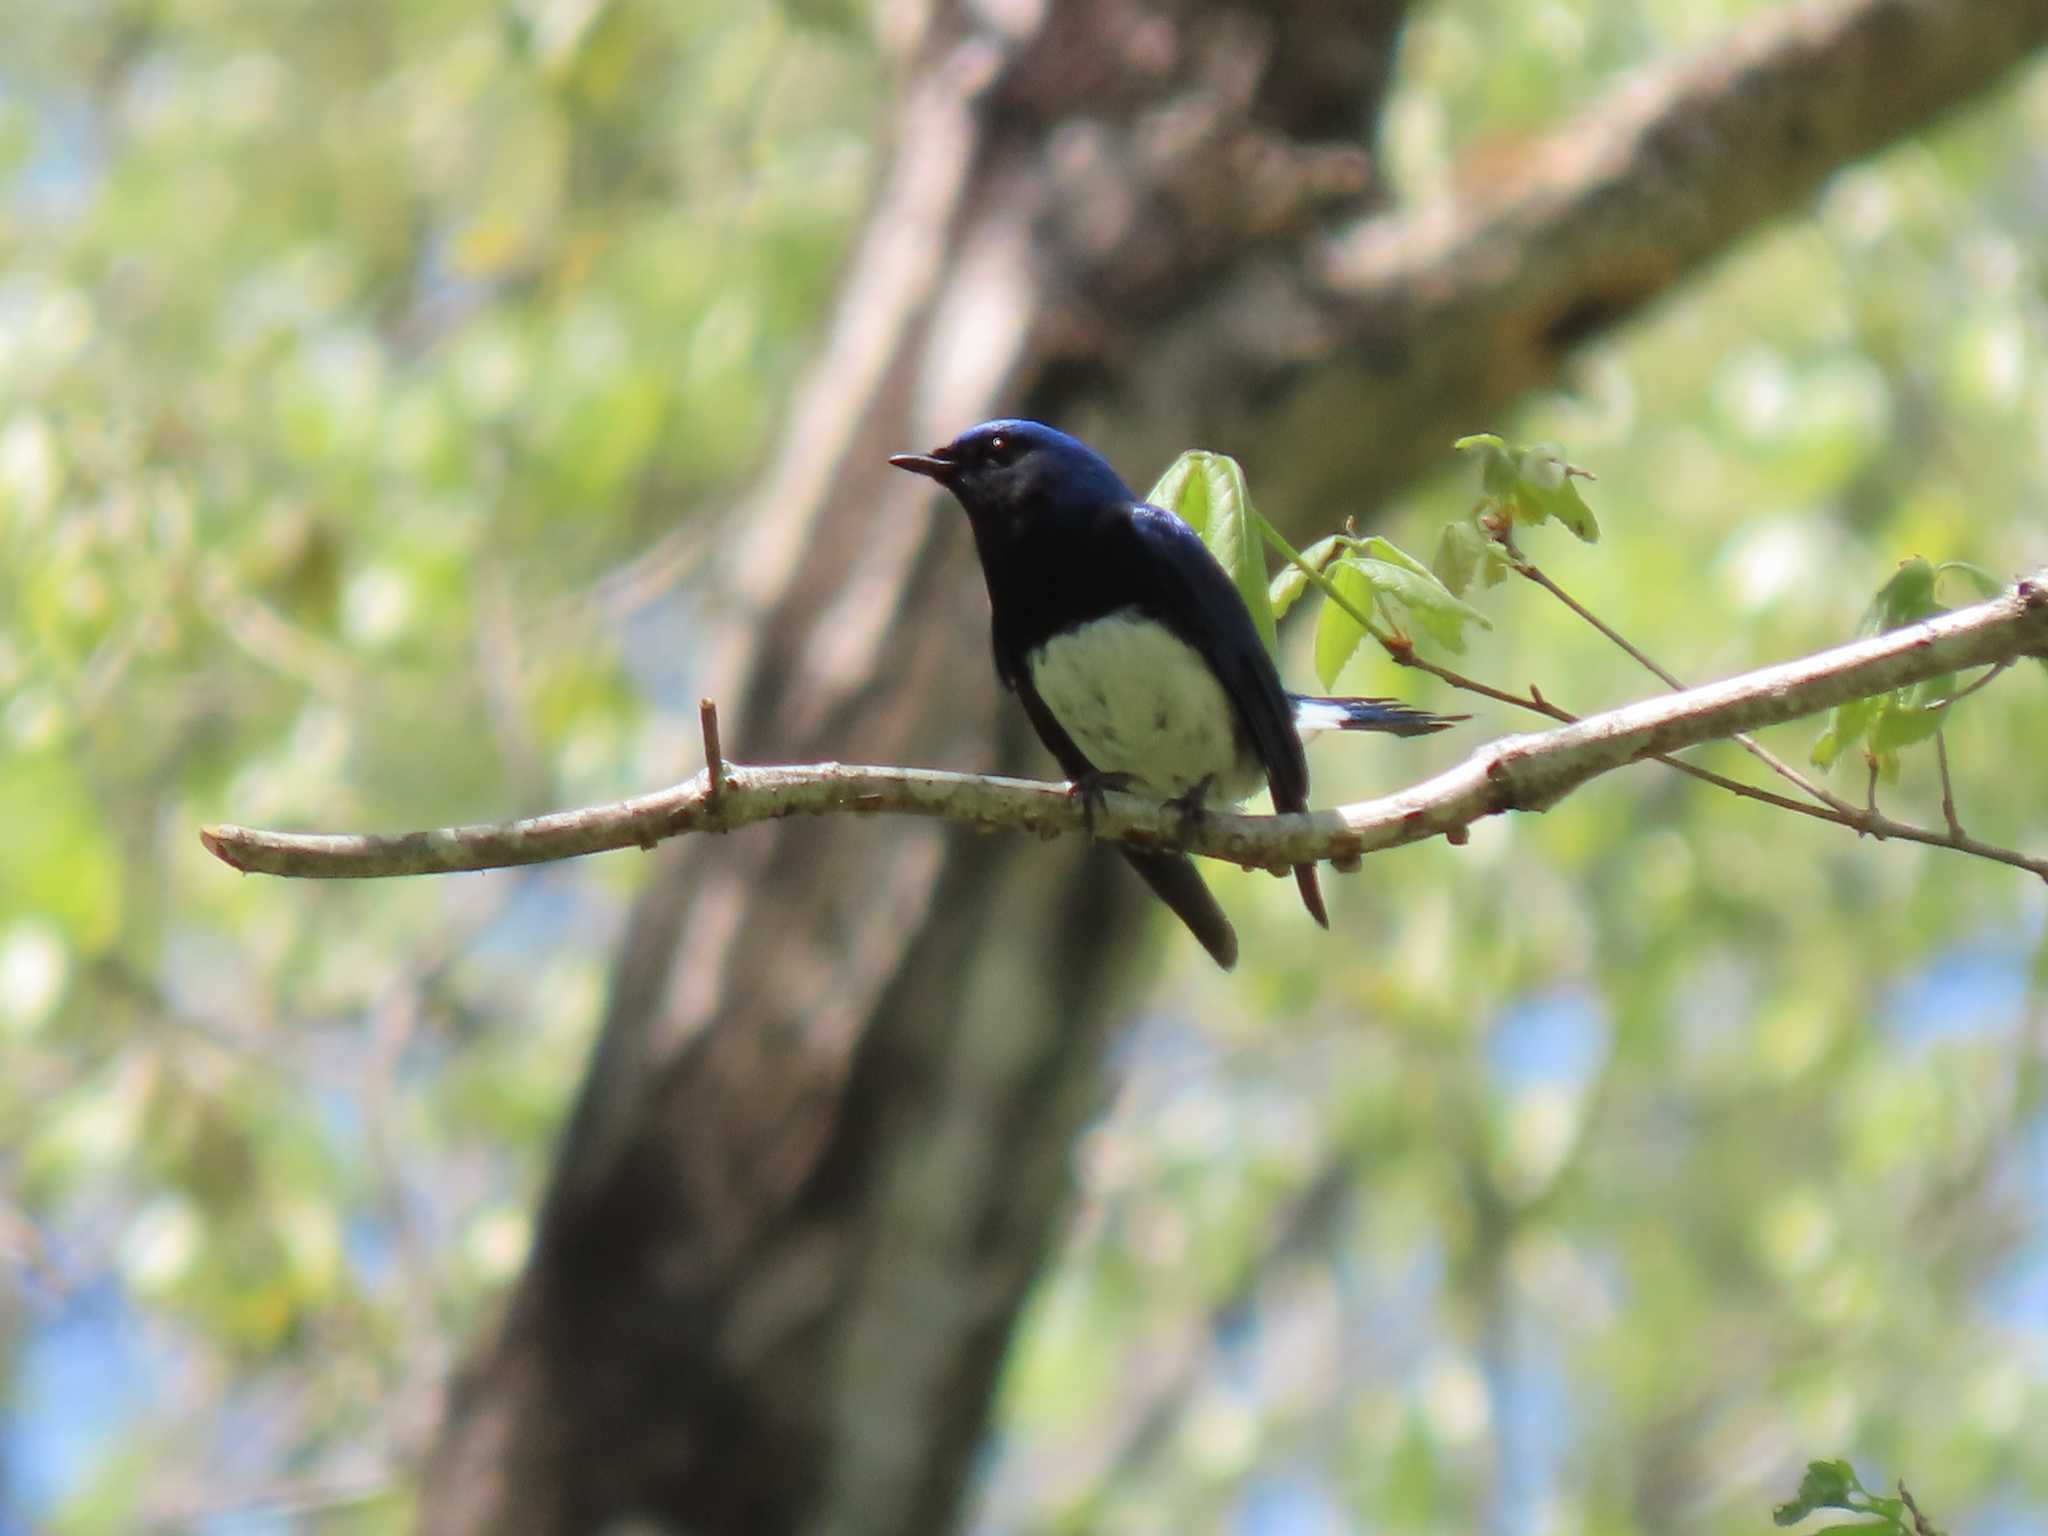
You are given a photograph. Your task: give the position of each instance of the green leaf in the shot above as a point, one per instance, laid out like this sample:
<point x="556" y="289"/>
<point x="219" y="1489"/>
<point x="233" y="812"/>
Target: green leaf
<point x="1906" y="716"/>
<point x="1338" y="634"/>
<point x="1292" y="581"/>
<point x="1398" y="577"/>
<point x="1176" y="492"/>
<point x="1496" y="461"/>
<point x="1982" y="581"/>
<point x="1531" y="484"/>
<point x="1901" y="725"/>
<point x="1463" y="554"/>
<point x="1207" y="492"/>
<point x="1846" y="727"/>
<point x="1906" y="599"/>
<point x="1826" y="1485"/>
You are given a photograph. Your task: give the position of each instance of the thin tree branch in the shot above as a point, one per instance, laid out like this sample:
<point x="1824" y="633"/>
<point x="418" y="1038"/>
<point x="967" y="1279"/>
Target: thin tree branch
<point x="1961" y="694"/>
<point x="1948" y="789"/>
<point x="714" y="754"/>
<point x="1526" y="568"/>
<point x="1535" y="701"/>
<point x="1515" y="773"/>
<point x="1864" y="822"/>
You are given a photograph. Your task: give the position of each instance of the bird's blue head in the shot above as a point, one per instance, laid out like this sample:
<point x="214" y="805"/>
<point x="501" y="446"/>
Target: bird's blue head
<point x="1009" y="472"/>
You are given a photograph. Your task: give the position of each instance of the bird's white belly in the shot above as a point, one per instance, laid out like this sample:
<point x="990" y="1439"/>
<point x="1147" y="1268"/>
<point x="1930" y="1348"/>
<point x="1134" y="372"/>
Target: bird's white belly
<point x="1136" y="699"/>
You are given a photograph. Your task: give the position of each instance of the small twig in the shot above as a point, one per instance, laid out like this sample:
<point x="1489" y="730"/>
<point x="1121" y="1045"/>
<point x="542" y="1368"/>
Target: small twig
<point x="1525" y="567"/>
<point x="1948" y="793"/>
<point x="1922" y="1526"/>
<point x="1956" y="698"/>
<point x="1864" y="823"/>
<point x="1870" y="790"/>
<point x="714" y="758"/>
<point x="1529" y="570"/>
<point x="1536" y="702"/>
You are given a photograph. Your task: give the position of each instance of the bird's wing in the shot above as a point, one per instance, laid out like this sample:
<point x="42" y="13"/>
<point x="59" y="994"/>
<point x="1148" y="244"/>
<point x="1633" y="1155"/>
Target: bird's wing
<point x="1073" y="762"/>
<point x="1193" y="596"/>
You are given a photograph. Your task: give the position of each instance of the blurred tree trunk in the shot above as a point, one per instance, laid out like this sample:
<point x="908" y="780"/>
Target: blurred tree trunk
<point x="819" y="1151"/>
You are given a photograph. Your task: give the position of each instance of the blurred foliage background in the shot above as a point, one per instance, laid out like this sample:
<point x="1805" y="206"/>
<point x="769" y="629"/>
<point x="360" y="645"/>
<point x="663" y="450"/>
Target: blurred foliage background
<point x="368" y="377"/>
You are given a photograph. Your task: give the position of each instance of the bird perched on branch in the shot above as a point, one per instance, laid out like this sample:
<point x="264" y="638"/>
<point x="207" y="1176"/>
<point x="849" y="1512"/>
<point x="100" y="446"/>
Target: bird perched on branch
<point x="1132" y="652"/>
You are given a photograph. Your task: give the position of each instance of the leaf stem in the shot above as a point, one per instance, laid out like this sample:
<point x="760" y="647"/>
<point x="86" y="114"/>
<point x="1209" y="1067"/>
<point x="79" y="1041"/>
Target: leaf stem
<point x="1324" y="585"/>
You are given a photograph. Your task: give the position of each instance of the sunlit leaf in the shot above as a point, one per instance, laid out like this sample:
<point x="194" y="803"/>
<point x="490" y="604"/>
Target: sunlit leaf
<point x="1531" y="484"/>
<point x="1338" y="632"/>
<point x="1464" y="554"/>
<point x="1292" y="580"/>
<point x="1826" y="1485"/>
<point x="1981" y="581"/>
<point x="1207" y="492"/>
<point x="1907" y="598"/>
<point x="1400" y="579"/>
<point x="1905" y="716"/>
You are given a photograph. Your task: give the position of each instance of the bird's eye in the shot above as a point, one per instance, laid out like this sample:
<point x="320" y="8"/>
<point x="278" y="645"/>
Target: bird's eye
<point x="999" y="447"/>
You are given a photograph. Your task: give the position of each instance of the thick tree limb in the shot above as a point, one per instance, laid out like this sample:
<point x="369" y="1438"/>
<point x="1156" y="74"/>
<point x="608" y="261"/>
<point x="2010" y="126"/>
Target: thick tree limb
<point x="1384" y="342"/>
<point x="1516" y="773"/>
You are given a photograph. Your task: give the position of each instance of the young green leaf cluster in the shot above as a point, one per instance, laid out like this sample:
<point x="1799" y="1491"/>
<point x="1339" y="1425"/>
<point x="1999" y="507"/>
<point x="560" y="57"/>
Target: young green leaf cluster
<point x="1372" y="588"/>
<point x="1890" y="721"/>
<point x="1834" y="1485"/>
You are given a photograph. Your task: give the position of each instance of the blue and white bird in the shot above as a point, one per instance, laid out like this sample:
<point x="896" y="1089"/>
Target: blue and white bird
<point x="1132" y="653"/>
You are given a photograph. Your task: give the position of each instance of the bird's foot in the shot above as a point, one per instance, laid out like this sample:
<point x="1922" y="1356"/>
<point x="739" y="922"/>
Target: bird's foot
<point x="1192" y="806"/>
<point x="1089" y="789"/>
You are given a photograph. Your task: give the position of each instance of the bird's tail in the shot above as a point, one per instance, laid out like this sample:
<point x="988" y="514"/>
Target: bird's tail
<point x="1175" y="880"/>
<point x="1313" y="716"/>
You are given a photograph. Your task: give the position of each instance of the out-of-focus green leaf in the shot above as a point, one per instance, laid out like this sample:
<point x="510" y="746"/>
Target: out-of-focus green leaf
<point x="1905" y="599"/>
<point x="1845" y="728"/>
<point x="1397" y="577"/>
<point x="1981" y="581"/>
<point x="1906" y="716"/>
<point x="1292" y="580"/>
<point x="1207" y="492"/>
<point x="1531" y="484"/>
<point x="1464" y="554"/>
<point x="1826" y="1485"/>
<point x="56" y="857"/>
<point x="1338" y="632"/>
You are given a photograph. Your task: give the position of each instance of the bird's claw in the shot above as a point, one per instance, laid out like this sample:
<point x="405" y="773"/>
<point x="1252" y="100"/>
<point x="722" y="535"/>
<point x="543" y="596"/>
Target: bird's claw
<point x="1089" y="789"/>
<point x="1191" y="806"/>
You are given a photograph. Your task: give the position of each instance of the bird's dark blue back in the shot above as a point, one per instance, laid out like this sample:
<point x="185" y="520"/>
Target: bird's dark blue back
<point x="1067" y="562"/>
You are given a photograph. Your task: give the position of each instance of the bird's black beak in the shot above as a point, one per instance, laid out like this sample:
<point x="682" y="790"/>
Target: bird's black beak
<point x="935" y="464"/>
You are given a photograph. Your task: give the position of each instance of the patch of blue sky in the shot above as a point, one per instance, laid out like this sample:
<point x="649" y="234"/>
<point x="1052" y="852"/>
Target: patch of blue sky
<point x="1533" y="1428"/>
<point x="661" y="646"/>
<point x="57" y="179"/>
<point x="86" y="1374"/>
<point x="1555" y="1038"/>
<point x="1972" y="991"/>
<point x="1289" y="1502"/>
